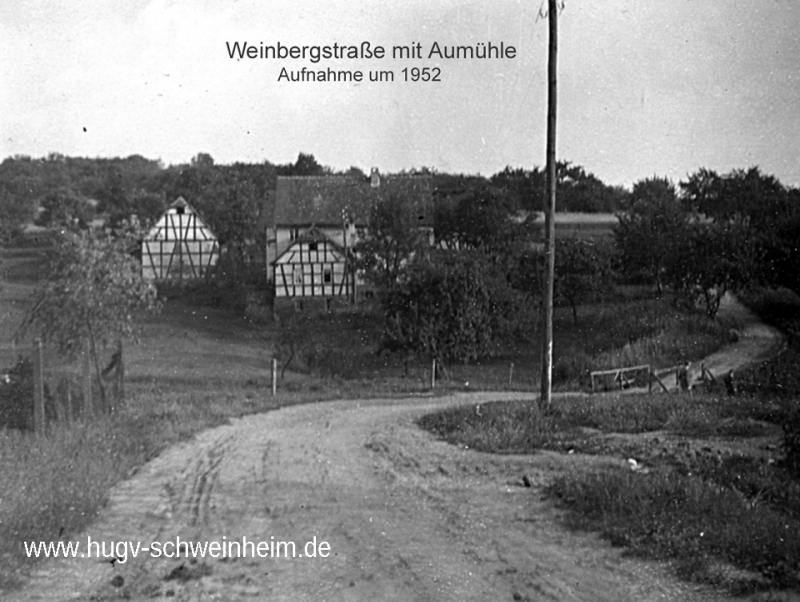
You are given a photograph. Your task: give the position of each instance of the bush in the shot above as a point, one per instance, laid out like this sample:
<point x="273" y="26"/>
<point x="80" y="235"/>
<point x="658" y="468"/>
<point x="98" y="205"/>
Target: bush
<point x="451" y="307"/>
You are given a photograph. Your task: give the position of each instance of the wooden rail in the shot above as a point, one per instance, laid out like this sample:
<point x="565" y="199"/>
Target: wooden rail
<point x="619" y="374"/>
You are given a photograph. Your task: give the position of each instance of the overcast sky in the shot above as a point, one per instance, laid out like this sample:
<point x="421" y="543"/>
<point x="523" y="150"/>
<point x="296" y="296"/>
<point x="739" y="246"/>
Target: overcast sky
<point x="646" y="87"/>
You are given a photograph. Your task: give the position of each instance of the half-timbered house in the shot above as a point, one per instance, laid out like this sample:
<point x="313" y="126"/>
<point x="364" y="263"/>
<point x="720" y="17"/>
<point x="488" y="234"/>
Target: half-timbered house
<point x="180" y="246"/>
<point x="318" y="220"/>
<point x="313" y="266"/>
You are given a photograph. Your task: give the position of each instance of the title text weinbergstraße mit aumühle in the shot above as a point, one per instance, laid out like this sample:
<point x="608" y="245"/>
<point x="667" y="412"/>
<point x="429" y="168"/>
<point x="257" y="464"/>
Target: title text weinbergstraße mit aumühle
<point x="367" y="51"/>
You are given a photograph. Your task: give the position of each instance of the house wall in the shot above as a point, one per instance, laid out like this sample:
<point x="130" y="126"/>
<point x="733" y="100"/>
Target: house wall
<point x="179" y="246"/>
<point x="310" y="269"/>
<point x="281" y="238"/>
<point x="177" y="259"/>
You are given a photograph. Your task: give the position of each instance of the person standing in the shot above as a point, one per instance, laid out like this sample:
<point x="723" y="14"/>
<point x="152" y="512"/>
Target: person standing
<point x="730" y="383"/>
<point x="682" y="377"/>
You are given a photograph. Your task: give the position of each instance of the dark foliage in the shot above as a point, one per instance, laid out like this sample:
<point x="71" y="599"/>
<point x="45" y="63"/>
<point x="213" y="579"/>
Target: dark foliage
<point x="452" y="307"/>
<point x="16" y="396"/>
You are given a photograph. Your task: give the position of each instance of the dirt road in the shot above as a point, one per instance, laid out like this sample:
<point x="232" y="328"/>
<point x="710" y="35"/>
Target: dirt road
<point x="406" y="518"/>
<point x="756" y="341"/>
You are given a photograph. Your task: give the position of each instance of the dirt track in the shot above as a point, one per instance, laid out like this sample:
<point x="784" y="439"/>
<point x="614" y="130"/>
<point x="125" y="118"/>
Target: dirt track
<point x="407" y="517"/>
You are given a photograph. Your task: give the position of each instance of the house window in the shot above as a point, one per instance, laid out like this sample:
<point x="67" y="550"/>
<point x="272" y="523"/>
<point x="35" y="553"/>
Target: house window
<point x="298" y="274"/>
<point x="298" y="305"/>
<point x="328" y="304"/>
<point x="312" y="246"/>
<point x="179" y="210"/>
<point x="326" y="276"/>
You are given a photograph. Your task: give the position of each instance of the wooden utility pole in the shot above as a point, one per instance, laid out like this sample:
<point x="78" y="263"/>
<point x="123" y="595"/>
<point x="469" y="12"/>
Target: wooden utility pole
<point x="550" y="210"/>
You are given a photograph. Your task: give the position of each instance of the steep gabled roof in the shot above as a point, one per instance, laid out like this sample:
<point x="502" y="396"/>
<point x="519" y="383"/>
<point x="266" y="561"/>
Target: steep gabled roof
<point x="324" y="200"/>
<point x="311" y="235"/>
<point x="180" y="222"/>
<point x="314" y="234"/>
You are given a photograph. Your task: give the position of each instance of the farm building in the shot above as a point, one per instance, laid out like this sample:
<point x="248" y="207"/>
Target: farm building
<point x="180" y="246"/>
<point x="583" y="226"/>
<point x="317" y="222"/>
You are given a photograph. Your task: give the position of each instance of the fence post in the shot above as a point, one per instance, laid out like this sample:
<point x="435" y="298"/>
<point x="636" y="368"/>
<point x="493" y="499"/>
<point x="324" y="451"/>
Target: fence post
<point x="510" y="373"/>
<point x="274" y="377"/>
<point x="87" y="382"/>
<point x="70" y="411"/>
<point x="120" y="377"/>
<point x="38" y="388"/>
<point x="433" y="373"/>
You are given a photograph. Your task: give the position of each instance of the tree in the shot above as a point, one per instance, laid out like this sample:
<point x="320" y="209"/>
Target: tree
<point x="15" y="212"/>
<point x="450" y="307"/>
<point x="391" y="241"/>
<point x="583" y="270"/>
<point x="744" y="196"/>
<point x="582" y="191"/>
<point x="526" y="186"/>
<point x="779" y="246"/>
<point x="473" y="214"/>
<point x="203" y="161"/>
<point x="650" y="228"/>
<point x="577" y="189"/>
<point x="93" y="293"/>
<point x="306" y="165"/>
<point x="712" y="259"/>
<point x="20" y="187"/>
<point x="63" y="208"/>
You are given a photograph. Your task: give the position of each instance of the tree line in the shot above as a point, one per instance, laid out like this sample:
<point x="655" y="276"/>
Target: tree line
<point x="480" y="285"/>
<point x="59" y="191"/>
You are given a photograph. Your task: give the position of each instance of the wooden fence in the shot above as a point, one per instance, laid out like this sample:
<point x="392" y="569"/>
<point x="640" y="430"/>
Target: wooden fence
<point x="39" y="386"/>
<point x="621" y="378"/>
<point x="641" y="376"/>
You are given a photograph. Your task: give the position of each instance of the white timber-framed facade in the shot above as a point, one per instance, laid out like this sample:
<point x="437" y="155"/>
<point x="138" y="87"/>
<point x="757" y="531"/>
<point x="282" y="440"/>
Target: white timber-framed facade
<point x="180" y="246"/>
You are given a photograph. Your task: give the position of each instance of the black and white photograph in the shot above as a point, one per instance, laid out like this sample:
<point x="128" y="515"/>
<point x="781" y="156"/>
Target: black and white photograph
<point x="434" y="300"/>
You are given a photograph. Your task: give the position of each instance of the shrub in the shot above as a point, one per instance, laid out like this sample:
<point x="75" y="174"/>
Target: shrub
<point x="451" y="307"/>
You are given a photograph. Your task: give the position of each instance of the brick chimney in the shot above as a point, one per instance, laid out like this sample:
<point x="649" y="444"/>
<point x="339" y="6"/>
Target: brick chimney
<point x="375" y="178"/>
